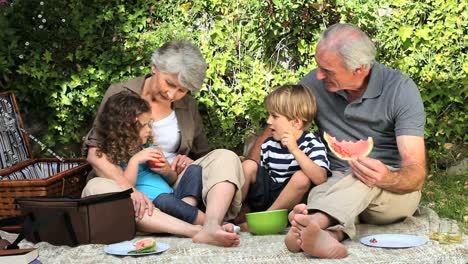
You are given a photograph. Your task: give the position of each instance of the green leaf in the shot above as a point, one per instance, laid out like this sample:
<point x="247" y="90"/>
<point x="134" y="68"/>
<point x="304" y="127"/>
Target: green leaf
<point x="405" y="32"/>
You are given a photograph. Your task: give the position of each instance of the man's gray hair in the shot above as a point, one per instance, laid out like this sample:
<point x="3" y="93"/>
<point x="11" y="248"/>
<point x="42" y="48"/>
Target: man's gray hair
<point x="351" y="44"/>
<point x="185" y="60"/>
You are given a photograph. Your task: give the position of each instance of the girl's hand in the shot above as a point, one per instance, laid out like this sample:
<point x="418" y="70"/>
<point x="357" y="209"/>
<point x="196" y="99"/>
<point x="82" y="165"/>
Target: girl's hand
<point x="162" y="166"/>
<point x="180" y="163"/>
<point x="145" y="155"/>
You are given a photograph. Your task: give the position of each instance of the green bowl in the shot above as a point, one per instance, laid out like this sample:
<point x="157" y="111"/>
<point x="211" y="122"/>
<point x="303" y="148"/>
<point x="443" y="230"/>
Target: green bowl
<point x="267" y="222"/>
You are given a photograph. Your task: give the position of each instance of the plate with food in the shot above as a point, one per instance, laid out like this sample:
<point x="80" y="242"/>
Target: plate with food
<point x="142" y="247"/>
<point x="393" y="240"/>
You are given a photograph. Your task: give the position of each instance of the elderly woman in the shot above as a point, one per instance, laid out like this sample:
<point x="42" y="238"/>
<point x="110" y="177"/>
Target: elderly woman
<point x="178" y="68"/>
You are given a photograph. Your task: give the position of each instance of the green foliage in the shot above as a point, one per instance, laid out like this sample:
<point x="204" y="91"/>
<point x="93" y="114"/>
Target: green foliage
<point x="60" y="68"/>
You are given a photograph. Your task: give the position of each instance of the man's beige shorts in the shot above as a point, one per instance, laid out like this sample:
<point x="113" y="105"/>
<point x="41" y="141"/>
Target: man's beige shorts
<point x="348" y="200"/>
<point x="219" y="165"/>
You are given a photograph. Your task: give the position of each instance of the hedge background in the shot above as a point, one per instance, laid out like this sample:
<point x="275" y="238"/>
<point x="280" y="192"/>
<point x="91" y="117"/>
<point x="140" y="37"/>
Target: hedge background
<point x="60" y="56"/>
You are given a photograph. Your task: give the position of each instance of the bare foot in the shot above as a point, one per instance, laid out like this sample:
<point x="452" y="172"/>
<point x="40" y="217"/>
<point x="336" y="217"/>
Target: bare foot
<point x="244" y="227"/>
<point x="298" y="209"/>
<point x="293" y="240"/>
<point x="218" y="236"/>
<point x="317" y="242"/>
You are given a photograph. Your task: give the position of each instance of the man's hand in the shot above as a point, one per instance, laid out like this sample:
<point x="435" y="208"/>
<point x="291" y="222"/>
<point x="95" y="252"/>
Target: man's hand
<point x="371" y="172"/>
<point x="141" y="203"/>
<point x="180" y="162"/>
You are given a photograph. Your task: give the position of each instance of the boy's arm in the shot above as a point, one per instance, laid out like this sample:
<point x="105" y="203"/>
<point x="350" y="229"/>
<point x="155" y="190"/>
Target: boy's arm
<point x="315" y="173"/>
<point x="311" y="169"/>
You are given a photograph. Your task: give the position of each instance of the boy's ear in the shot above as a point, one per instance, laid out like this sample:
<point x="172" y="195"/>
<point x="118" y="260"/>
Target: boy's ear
<point x="298" y="123"/>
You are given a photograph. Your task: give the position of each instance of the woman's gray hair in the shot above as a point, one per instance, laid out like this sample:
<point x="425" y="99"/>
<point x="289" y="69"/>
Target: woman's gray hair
<point x="183" y="59"/>
<point x="351" y="44"/>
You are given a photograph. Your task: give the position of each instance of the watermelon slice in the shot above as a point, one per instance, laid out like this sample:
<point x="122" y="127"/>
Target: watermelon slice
<point x="348" y="150"/>
<point x="145" y="245"/>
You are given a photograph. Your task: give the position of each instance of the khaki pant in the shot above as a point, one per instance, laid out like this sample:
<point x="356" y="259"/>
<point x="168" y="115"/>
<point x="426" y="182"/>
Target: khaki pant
<point x="348" y="200"/>
<point x="219" y="165"/>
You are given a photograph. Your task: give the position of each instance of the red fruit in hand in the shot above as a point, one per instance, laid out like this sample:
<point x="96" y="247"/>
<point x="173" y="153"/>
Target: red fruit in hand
<point x="153" y="163"/>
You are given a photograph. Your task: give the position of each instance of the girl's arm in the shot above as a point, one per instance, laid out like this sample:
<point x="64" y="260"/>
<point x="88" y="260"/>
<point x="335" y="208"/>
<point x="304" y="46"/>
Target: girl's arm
<point x="131" y="171"/>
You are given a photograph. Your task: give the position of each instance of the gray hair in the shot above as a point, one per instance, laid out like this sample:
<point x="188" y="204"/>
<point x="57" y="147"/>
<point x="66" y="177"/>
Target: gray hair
<point x="183" y="59"/>
<point x="351" y="44"/>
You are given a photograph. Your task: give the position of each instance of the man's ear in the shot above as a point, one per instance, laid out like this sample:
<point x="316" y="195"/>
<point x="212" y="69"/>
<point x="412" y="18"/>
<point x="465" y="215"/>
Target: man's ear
<point x="360" y="70"/>
<point x="153" y="69"/>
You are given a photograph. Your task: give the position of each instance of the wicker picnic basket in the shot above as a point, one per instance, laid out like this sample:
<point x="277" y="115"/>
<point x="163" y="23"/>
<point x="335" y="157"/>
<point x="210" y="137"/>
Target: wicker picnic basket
<point x="24" y="176"/>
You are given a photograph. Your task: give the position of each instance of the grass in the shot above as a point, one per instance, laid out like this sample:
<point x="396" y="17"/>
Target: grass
<point x="446" y="194"/>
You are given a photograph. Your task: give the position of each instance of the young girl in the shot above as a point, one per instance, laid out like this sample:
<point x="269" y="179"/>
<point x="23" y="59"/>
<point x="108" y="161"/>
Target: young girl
<point x="125" y="127"/>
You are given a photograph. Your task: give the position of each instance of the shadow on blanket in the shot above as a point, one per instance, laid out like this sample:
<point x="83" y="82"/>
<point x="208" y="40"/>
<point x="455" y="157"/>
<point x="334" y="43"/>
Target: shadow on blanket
<point x="269" y="249"/>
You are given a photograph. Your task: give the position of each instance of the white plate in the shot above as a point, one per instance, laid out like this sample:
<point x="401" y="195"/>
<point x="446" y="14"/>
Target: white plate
<point x="393" y="240"/>
<point x="123" y="248"/>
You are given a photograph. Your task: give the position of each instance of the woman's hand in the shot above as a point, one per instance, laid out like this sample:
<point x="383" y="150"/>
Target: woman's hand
<point x="141" y="203"/>
<point x="180" y="163"/>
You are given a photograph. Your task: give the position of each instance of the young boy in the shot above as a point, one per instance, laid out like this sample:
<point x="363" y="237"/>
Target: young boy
<point x="292" y="160"/>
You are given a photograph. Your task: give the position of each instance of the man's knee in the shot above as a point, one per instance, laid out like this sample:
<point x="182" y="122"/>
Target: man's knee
<point x="390" y="208"/>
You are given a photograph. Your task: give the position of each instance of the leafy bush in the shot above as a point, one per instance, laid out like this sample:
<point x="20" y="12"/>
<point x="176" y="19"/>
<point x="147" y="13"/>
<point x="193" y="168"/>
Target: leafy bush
<point x="60" y="65"/>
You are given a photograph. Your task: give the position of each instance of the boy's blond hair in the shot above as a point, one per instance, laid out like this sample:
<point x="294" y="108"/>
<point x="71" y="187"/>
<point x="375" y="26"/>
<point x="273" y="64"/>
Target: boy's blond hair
<point x="292" y="101"/>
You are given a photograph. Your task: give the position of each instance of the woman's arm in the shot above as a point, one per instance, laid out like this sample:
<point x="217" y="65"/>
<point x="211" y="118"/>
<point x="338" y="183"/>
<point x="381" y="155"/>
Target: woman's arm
<point x="104" y="168"/>
<point x="200" y="143"/>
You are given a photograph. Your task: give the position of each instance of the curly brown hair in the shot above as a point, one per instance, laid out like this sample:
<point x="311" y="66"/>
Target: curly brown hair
<point x="118" y="127"/>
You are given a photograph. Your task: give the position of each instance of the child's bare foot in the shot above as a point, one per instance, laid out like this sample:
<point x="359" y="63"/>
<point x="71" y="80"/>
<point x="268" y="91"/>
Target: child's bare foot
<point x="244" y="227"/>
<point x="218" y="236"/>
<point x="293" y="240"/>
<point x="317" y="242"/>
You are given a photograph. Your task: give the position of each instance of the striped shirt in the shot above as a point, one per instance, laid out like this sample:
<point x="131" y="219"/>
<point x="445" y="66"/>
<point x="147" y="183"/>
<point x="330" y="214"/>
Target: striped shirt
<point x="281" y="164"/>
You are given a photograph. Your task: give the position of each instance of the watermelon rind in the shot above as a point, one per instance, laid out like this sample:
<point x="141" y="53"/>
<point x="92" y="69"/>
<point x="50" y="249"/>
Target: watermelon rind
<point x="338" y="147"/>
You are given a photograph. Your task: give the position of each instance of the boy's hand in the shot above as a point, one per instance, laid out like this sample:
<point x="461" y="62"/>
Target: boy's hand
<point x="288" y="140"/>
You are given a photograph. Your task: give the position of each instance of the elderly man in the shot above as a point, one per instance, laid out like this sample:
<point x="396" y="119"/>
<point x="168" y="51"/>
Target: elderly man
<point x="358" y="98"/>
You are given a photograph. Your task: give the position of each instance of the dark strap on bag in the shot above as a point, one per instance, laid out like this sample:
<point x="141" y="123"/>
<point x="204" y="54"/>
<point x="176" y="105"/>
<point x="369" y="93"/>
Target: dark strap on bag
<point x="35" y="224"/>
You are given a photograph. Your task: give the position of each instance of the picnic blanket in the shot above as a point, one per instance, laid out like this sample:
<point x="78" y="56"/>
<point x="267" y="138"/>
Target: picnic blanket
<point x="269" y="249"/>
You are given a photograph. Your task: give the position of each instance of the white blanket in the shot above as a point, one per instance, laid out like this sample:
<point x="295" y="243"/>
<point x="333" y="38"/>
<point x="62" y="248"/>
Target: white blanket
<point x="268" y="249"/>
